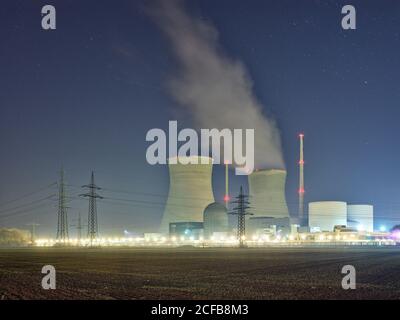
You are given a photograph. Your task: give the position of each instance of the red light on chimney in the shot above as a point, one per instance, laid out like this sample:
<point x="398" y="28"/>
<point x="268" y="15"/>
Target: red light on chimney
<point x="301" y="191"/>
<point x="301" y="162"/>
<point x="227" y="198"/>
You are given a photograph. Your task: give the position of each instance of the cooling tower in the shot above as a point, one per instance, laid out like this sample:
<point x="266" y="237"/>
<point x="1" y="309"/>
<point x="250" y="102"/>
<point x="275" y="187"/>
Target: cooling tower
<point x="267" y="193"/>
<point x="190" y="192"/>
<point x="362" y="215"/>
<point x="325" y="215"/>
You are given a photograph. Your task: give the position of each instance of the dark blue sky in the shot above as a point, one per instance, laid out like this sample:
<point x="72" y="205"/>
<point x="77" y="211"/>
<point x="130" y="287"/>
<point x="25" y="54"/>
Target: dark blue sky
<point x="84" y="96"/>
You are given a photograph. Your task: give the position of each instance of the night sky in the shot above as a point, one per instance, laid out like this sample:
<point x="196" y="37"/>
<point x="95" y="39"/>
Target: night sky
<point x="83" y="97"/>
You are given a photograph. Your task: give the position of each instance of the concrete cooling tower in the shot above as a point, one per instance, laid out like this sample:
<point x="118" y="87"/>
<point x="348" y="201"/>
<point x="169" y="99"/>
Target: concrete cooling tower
<point x="267" y="193"/>
<point x="361" y="216"/>
<point x="190" y="192"/>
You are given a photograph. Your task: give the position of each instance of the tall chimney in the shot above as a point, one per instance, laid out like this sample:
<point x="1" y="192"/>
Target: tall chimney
<point x="301" y="179"/>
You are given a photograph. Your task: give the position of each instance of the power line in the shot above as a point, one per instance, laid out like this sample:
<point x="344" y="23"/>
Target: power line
<point x="27" y="204"/>
<point x="22" y="212"/>
<point x="113" y="190"/>
<point x="27" y="194"/>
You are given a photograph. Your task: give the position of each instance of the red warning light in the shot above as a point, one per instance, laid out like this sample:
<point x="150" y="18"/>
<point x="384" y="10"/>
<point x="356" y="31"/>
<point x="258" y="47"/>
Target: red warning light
<point x="227" y="198"/>
<point x="301" y="190"/>
<point x="301" y="162"/>
<point x="301" y="135"/>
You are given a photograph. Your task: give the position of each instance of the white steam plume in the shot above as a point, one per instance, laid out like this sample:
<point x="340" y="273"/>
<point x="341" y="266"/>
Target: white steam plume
<point x="214" y="88"/>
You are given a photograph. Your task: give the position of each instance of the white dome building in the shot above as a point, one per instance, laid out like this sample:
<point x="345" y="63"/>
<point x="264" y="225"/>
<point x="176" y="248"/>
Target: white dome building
<point x="215" y="219"/>
<point x="325" y="215"/>
<point x="361" y="216"/>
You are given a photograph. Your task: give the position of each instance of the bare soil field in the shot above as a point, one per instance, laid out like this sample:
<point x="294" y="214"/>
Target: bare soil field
<point x="200" y="273"/>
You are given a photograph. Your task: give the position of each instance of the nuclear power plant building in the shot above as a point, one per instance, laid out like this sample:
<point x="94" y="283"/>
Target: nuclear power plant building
<point x="215" y="219"/>
<point x="190" y="191"/>
<point x="325" y="215"/>
<point x="361" y="217"/>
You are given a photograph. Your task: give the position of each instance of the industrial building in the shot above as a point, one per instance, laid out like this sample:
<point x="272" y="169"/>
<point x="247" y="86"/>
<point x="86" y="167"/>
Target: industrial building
<point x="215" y="219"/>
<point x="269" y="226"/>
<point x="190" y="192"/>
<point x="267" y="193"/>
<point x="191" y="230"/>
<point x="325" y="215"/>
<point x="361" y="217"/>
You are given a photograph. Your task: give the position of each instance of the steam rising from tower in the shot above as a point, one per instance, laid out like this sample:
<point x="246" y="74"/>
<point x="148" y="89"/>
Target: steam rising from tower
<point x="214" y="88"/>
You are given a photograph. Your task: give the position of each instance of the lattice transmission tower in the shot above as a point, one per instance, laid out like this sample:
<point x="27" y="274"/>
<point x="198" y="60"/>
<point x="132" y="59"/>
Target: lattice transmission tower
<point x="242" y="204"/>
<point x="62" y="225"/>
<point x="93" y="227"/>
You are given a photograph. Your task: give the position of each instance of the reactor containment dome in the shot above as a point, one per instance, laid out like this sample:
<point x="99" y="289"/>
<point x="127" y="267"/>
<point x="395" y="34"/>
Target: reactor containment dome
<point x="362" y="215"/>
<point x="325" y="215"/>
<point x="190" y="191"/>
<point x="267" y="193"/>
<point x="215" y="219"/>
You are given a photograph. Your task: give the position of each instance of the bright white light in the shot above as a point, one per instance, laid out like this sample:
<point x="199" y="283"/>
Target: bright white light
<point x="360" y="227"/>
<point x="382" y="228"/>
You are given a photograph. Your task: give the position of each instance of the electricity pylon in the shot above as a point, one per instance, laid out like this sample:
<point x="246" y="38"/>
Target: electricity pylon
<point x="62" y="225"/>
<point x="79" y="227"/>
<point x="93" y="228"/>
<point x="33" y="228"/>
<point x="240" y="210"/>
